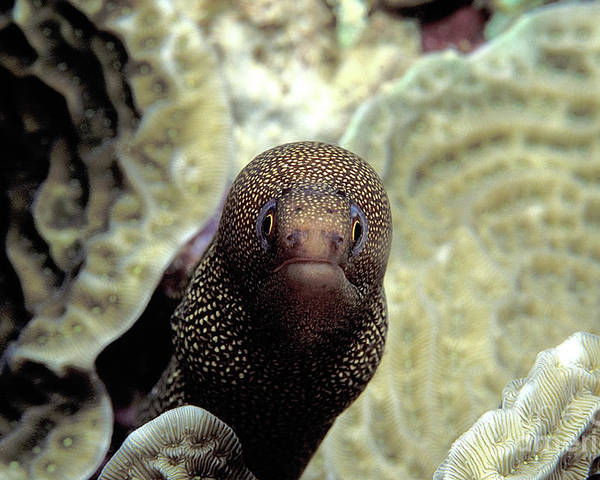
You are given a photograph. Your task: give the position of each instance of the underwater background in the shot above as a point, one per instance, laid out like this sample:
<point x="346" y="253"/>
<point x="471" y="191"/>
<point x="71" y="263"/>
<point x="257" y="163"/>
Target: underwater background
<point x="124" y="122"/>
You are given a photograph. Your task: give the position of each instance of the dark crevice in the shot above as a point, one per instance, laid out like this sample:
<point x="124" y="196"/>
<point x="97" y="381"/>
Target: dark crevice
<point x="14" y="45"/>
<point x="120" y="56"/>
<point x="429" y="11"/>
<point x="132" y="364"/>
<point x="6" y="6"/>
<point x="12" y="311"/>
<point x="34" y="385"/>
<point x="79" y="63"/>
<point x="26" y="167"/>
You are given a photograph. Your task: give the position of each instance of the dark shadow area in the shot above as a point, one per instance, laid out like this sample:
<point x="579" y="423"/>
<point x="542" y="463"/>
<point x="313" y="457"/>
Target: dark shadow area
<point x="430" y="11"/>
<point x="132" y="364"/>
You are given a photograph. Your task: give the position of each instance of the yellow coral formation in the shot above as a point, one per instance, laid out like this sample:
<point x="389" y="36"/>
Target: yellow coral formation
<point x="175" y="162"/>
<point x="547" y="426"/>
<point x="491" y="163"/>
<point x="64" y="437"/>
<point x="298" y="82"/>
<point x="140" y="168"/>
<point x="183" y="443"/>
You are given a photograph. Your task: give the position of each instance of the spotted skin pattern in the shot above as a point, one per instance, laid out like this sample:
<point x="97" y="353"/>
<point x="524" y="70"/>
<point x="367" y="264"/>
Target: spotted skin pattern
<point x="265" y="349"/>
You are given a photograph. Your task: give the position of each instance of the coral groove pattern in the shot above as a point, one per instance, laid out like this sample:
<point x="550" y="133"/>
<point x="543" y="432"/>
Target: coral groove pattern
<point x="134" y="136"/>
<point x="186" y="442"/>
<point x="492" y="165"/>
<point x="548" y="426"/>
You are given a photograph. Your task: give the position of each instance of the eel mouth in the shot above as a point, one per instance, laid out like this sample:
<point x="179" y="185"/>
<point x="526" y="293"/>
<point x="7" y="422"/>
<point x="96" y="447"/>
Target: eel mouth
<point x="311" y="277"/>
<point x="307" y="260"/>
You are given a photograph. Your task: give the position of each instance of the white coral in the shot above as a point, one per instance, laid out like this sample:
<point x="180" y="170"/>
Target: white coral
<point x="547" y="427"/>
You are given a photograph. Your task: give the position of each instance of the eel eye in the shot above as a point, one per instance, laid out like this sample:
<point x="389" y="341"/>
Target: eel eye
<point x="359" y="229"/>
<point x="356" y="230"/>
<point x="265" y="224"/>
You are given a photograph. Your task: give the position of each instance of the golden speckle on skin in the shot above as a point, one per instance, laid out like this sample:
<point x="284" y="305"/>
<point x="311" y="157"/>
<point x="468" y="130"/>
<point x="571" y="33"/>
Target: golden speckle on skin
<point x="276" y="360"/>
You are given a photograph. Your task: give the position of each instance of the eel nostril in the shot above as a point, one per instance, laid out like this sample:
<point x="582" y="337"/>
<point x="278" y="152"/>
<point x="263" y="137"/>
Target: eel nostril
<point x="295" y="238"/>
<point x="335" y="239"/>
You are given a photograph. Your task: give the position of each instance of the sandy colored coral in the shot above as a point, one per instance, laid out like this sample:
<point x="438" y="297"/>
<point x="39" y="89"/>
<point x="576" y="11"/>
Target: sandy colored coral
<point x="505" y="12"/>
<point x="548" y="424"/>
<point x="351" y="19"/>
<point x="492" y="164"/>
<point x="127" y="120"/>
<point x="64" y="425"/>
<point x="183" y="443"/>
<point x="174" y="163"/>
<point x="299" y="81"/>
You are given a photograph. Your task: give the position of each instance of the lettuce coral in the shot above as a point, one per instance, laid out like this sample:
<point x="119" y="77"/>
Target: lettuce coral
<point x="548" y="424"/>
<point x="124" y="112"/>
<point x="56" y="427"/>
<point x="174" y="159"/>
<point x="492" y="165"/>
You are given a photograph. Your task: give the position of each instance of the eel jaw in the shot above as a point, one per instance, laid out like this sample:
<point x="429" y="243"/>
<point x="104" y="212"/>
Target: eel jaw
<point x="304" y="303"/>
<point x="303" y="260"/>
<point x="311" y="278"/>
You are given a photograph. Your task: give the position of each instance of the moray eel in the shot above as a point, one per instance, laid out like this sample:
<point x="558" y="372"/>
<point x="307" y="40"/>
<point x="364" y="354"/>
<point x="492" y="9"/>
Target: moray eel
<point x="284" y="321"/>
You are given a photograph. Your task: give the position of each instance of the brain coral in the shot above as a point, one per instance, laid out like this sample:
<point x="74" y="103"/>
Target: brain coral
<point x="492" y="165"/>
<point x="548" y="425"/>
<point x="122" y="132"/>
<point x="183" y="443"/>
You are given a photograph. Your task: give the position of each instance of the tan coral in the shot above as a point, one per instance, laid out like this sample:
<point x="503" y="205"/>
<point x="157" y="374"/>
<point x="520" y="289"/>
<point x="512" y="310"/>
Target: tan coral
<point x="142" y="167"/>
<point x="299" y="82"/>
<point x="491" y="163"/>
<point x="57" y="207"/>
<point x="64" y="437"/>
<point x="40" y="281"/>
<point x="547" y="427"/>
<point x="175" y="160"/>
<point x="183" y="443"/>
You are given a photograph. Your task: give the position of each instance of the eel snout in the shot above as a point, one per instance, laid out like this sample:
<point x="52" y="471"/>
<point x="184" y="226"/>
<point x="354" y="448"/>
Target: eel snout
<point x="313" y="255"/>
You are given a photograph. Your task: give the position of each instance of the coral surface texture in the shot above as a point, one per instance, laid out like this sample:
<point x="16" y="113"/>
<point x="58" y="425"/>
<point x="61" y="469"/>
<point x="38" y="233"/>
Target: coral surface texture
<point x="119" y="131"/>
<point x="137" y="153"/>
<point x="548" y="426"/>
<point x="184" y="443"/>
<point x="492" y="165"/>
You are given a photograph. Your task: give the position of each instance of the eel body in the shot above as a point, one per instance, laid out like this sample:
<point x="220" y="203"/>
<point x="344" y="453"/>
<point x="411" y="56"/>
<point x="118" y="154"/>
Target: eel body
<point x="284" y="321"/>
